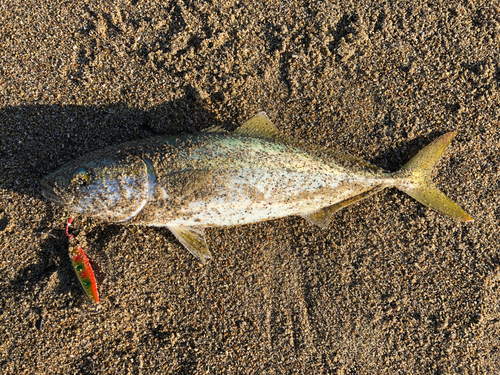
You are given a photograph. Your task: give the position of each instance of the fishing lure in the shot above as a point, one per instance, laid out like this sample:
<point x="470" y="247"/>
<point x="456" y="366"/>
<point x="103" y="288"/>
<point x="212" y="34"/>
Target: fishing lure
<point x="82" y="266"/>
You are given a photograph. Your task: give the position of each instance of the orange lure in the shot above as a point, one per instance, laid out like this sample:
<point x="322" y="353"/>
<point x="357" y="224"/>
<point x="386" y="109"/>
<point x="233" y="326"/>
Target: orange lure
<point x="82" y="267"/>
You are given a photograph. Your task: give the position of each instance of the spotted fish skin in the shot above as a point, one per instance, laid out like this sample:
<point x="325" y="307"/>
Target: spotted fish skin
<point x="221" y="180"/>
<point x="214" y="178"/>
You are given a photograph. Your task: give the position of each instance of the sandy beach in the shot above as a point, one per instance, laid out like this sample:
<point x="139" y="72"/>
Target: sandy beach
<point x="390" y="287"/>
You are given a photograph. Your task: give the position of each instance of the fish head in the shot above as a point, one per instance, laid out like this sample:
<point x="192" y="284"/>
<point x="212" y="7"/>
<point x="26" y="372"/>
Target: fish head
<point x="110" y="186"/>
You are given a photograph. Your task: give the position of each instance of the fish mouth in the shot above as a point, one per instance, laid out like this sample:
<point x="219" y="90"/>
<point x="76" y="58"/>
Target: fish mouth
<point x="50" y="195"/>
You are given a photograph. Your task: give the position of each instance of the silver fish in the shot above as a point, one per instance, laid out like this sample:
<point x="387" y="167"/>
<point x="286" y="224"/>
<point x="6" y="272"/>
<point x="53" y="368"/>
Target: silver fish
<point x="215" y="178"/>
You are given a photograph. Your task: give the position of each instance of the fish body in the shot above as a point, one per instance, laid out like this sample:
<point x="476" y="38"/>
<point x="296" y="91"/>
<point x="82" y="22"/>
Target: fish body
<point x="220" y="180"/>
<point x="215" y="178"/>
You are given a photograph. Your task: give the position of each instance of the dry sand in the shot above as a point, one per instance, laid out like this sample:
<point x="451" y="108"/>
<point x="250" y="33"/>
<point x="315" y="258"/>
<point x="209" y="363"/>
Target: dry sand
<point x="391" y="287"/>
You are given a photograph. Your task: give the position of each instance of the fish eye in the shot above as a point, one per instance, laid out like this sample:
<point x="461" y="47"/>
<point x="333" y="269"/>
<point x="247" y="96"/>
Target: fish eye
<point x="80" y="177"/>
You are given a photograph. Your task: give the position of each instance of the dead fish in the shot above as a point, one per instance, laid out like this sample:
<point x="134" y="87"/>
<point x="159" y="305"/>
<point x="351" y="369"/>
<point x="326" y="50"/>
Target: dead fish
<point x="216" y="178"/>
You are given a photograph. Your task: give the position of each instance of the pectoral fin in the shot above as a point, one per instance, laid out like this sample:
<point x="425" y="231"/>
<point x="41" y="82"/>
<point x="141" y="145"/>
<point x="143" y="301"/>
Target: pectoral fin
<point x="188" y="182"/>
<point x="322" y="217"/>
<point x="193" y="239"/>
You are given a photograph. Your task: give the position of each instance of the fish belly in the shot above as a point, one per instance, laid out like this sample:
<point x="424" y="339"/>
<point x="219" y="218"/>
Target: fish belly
<point x="249" y="196"/>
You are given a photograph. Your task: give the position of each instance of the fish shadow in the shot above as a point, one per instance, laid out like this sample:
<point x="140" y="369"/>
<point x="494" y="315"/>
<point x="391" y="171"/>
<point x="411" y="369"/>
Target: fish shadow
<point x="38" y="139"/>
<point x="394" y="158"/>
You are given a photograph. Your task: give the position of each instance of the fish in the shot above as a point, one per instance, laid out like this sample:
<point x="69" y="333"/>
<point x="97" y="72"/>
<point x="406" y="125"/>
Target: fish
<point x="217" y="178"/>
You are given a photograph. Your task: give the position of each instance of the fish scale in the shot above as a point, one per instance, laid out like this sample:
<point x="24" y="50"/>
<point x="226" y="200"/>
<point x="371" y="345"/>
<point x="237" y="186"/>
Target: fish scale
<point x="270" y="181"/>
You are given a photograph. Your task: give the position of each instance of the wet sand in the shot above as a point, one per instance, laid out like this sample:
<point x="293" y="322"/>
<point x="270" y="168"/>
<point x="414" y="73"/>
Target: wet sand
<point x="389" y="287"/>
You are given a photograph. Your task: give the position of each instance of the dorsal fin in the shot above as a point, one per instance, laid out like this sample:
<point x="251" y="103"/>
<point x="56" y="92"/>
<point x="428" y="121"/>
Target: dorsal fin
<point x="352" y="159"/>
<point x="214" y="129"/>
<point x="259" y="126"/>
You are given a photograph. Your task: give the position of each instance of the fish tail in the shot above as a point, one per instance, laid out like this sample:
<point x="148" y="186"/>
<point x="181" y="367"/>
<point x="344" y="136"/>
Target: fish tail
<point x="416" y="180"/>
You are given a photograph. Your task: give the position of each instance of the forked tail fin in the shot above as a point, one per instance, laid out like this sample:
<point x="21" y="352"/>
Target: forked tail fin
<point x="417" y="182"/>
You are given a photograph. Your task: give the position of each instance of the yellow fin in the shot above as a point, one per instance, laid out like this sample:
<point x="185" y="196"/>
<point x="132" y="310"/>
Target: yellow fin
<point x="214" y="129"/>
<point x="193" y="239"/>
<point x="323" y="216"/>
<point x="259" y="126"/>
<point x="352" y="159"/>
<point x="417" y="181"/>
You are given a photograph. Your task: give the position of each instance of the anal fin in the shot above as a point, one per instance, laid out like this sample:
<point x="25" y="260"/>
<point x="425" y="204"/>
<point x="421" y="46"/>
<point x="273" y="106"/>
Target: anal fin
<point x="193" y="239"/>
<point x="323" y="216"/>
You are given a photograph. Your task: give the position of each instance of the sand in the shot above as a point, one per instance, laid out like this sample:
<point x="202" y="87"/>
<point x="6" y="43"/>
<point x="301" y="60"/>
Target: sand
<point x="390" y="287"/>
